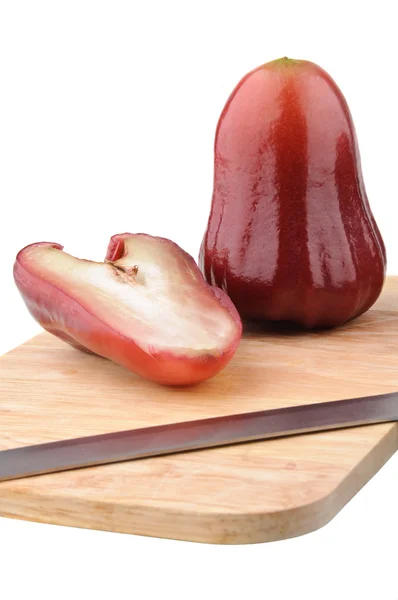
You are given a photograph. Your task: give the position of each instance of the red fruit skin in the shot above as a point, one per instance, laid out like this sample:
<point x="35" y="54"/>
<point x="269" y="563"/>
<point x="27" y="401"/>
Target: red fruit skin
<point x="77" y="324"/>
<point x="291" y="235"/>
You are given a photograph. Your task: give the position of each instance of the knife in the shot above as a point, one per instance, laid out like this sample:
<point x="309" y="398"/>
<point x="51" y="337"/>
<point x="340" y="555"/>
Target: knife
<point x="172" y="438"/>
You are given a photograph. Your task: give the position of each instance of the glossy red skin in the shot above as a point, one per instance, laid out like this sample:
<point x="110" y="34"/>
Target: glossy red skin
<point x="291" y="235"/>
<point x="78" y="325"/>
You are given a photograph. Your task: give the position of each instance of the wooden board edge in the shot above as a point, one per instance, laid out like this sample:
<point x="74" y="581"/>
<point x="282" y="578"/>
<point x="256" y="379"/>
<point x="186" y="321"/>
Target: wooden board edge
<point x="211" y="528"/>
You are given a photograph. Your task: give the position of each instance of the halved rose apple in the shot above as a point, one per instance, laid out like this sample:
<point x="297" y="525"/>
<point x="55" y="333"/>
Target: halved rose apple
<point x="147" y="307"/>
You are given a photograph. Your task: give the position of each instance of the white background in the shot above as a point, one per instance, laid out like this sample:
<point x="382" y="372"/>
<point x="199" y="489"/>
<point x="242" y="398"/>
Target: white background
<point x="107" y="120"/>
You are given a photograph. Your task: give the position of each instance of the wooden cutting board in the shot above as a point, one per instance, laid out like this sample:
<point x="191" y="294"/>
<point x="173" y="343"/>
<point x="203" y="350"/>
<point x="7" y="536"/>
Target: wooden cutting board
<point x="249" y="493"/>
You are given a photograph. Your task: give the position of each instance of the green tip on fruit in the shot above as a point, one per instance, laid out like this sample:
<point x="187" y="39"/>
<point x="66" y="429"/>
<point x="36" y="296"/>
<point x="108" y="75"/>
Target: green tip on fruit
<point x="285" y="61"/>
<point x="284" y="65"/>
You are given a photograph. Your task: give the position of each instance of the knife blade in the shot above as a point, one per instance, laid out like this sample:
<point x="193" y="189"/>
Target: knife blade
<point x="64" y="455"/>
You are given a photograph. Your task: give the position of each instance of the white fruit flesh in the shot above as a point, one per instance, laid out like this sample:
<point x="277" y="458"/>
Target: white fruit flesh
<point x="154" y="295"/>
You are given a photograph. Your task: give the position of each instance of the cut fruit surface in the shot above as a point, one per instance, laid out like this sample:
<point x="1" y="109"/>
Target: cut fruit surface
<point x="147" y="307"/>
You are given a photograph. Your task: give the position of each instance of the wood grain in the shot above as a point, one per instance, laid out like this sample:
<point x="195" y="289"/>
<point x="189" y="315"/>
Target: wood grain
<point x="254" y="492"/>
